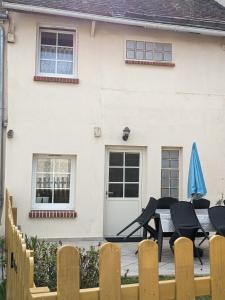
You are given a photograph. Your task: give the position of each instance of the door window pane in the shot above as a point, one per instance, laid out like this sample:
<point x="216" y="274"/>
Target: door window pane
<point x="115" y="190"/>
<point x="48" y="38"/>
<point x="132" y="175"/>
<point x="132" y="190"/>
<point x="116" y="159"/>
<point x="61" y="196"/>
<point x="115" y="175"/>
<point x="43" y="196"/>
<point x="132" y="159"/>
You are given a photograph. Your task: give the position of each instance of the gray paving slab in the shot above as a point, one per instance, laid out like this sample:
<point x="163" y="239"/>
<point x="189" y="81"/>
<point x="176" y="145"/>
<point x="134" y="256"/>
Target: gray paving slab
<point x="129" y="260"/>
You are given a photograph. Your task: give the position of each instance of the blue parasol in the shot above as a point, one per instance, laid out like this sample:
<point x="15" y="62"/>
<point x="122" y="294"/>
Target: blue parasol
<point x="196" y="184"/>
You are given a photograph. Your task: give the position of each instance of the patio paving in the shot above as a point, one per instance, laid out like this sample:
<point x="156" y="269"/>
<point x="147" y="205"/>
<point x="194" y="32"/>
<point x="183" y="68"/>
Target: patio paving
<point x="129" y="261"/>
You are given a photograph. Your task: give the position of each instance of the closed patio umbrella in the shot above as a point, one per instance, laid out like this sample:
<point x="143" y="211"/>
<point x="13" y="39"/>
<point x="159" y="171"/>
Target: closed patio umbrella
<point x="196" y="183"/>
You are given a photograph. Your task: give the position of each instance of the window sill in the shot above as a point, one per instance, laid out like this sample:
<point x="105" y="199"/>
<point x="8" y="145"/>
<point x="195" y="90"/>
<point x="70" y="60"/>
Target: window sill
<point x="56" y="79"/>
<point x="49" y="214"/>
<point x="152" y="63"/>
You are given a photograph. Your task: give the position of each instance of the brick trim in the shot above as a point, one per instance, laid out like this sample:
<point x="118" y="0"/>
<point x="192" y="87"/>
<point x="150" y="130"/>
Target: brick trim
<point x="48" y="214"/>
<point x="56" y="79"/>
<point x="152" y="63"/>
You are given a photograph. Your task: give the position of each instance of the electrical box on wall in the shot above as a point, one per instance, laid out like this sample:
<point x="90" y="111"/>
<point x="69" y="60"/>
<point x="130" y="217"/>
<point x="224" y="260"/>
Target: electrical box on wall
<point x="11" y="37"/>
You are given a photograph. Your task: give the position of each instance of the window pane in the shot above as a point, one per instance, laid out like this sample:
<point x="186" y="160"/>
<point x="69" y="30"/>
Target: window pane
<point x="65" y="68"/>
<point x="149" y="55"/>
<point x="174" y="174"/>
<point x="62" y="165"/>
<point x="65" y="53"/>
<point x="44" y="181"/>
<point x="48" y="38"/>
<point x="132" y="175"/>
<point x="116" y="159"/>
<point x="174" y="164"/>
<point x="174" y="193"/>
<point x="165" y="154"/>
<point x="61" y="182"/>
<point x="47" y="66"/>
<point x="174" y="183"/>
<point x="131" y="190"/>
<point x="132" y="159"/>
<point x="61" y="196"/>
<point x="141" y="45"/>
<point x="44" y="165"/>
<point x="149" y="46"/>
<point x="165" y="193"/>
<point x="130" y="54"/>
<point x="165" y="182"/>
<point x="165" y="173"/>
<point x="140" y="54"/>
<point x="174" y="154"/>
<point x="115" y="175"/>
<point x="165" y="163"/>
<point x="158" y="56"/>
<point x="43" y="196"/>
<point x="168" y="56"/>
<point x="167" y="47"/>
<point x="159" y="46"/>
<point x="131" y="44"/>
<point x="115" y="190"/>
<point x="48" y="52"/>
<point x="65" y="39"/>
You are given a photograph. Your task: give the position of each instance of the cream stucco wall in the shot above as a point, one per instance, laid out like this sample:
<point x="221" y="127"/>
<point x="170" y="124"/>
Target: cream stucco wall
<point x="162" y="106"/>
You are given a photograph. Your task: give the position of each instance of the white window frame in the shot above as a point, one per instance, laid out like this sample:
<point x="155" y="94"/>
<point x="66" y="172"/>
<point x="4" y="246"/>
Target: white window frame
<point x="54" y="206"/>
<point x="179" y="168"/>
<point x="38" y="60"/>
<point x="147" y="60"/>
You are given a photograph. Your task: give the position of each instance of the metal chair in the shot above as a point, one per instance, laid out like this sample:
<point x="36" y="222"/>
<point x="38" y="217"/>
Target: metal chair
<point x="166" y="202"/>
<point x="186" y="224"/>
<point x="217" y="218"/>
<point x="143" y="220"/>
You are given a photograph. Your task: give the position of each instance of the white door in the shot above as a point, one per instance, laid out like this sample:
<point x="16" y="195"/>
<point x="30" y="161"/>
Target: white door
<point x="123" y="190"/>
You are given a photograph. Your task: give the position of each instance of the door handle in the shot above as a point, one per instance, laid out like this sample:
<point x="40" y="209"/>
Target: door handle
<point x="109" y="193"/>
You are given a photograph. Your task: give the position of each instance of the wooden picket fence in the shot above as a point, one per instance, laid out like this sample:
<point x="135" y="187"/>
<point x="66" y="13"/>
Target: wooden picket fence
<point x="20" y="271"/>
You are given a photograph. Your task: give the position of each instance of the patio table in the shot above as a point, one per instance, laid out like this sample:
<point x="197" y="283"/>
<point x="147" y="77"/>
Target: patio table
<point x="164" y="224"/>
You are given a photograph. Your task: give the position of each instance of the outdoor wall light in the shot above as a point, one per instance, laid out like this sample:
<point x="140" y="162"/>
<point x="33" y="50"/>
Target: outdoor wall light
<point x="126" y="133"/>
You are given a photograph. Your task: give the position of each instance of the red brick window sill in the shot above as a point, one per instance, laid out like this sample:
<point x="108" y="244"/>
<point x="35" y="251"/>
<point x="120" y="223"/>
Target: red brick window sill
<point x="152" y="63"/>
<point x="50" y="214"/>
<point x="56" y="79"/>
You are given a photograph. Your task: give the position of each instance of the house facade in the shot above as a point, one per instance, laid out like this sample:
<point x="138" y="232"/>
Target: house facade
<point x="78" y="77"/>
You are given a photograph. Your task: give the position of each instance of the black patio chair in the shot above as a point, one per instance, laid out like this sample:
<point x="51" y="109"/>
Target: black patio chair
<point x="186" y="224"/>
<point x="143" y="220"/>
<point x="201" y="204"/>
<point x="217" y="218"/>
<point x="166" y="202"/>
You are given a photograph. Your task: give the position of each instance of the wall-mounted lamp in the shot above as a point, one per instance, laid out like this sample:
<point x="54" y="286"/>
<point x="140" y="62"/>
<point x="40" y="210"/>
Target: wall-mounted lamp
<point x="10" y="134"/>
<point x="126" y="133"/>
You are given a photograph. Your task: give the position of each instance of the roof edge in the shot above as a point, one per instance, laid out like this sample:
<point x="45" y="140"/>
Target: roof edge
<point x="115" y="20"/>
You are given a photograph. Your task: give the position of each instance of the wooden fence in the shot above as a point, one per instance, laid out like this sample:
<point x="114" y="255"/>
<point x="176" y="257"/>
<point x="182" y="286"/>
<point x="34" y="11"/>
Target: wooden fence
<point x="185" y="286"/>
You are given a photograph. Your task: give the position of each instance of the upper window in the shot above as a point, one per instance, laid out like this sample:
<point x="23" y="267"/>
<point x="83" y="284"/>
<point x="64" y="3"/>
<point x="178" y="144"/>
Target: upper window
<point x="148" y="51"/>
<point x="170" y="173"/>
<point x="56" y="53"/>
<point x="53" y="182"/>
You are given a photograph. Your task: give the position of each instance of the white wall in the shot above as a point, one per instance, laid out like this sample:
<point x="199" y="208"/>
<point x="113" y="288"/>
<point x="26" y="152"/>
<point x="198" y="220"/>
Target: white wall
<point x="162" y="106"/>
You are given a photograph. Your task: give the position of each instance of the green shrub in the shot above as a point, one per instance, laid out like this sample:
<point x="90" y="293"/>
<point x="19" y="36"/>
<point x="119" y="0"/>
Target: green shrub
<point x="89" y="267"/>
<point x="3" y="290"/>
<point x="45" y="255"/>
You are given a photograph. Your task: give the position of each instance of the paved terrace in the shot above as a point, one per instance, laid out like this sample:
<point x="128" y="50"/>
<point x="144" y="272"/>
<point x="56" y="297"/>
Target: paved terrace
<point x="129" y="260"/>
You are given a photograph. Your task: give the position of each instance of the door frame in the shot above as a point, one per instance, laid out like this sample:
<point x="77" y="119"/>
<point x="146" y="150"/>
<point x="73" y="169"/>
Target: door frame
<point x="142" y="179"/>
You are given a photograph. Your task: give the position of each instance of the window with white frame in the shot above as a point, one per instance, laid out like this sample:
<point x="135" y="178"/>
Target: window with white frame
<point x="56" y="55"/>
<point x="170" y="173"/>
<point x="148" y="51"/>
<point x="53" y="181"/>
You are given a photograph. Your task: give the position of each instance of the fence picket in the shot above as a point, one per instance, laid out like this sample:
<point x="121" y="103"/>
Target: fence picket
<point x="184" y="269"/>
<point x="109" y="272"/>
<point x="148" y="271"/>
<point x="68" y="273"/>
<point x="217" y="267"/>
